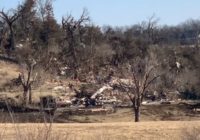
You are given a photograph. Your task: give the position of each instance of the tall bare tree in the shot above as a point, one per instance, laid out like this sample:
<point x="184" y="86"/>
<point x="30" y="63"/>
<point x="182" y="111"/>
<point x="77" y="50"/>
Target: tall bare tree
<point x="10" y="20"/>
<point x="149" y="29"/>
<point x="137" y="88"/>
<point x="73" y="33"/>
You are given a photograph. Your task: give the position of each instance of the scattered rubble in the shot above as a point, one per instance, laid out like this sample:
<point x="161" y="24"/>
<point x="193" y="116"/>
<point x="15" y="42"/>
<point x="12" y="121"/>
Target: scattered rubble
<point x="93" y="98"/>
<point x="59" y="88"/>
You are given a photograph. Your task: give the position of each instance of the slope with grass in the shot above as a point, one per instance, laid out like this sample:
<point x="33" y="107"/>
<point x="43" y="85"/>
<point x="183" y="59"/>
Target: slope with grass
<point x="8" y="71"/>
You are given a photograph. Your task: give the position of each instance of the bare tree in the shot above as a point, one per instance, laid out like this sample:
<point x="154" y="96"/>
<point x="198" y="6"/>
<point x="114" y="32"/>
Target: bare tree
<point x="10" y="20"/>
<point x="137" y="87"/>
<point x="43" y="8"/>
<point x="27" y="81"/>
<point x="73" y="32"/>
<point x="149" y="27"/>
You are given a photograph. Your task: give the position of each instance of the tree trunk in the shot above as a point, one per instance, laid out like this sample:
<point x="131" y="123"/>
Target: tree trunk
<point x="12" y="44"/>
<point x="25" y="95"/>
<point x="75" y="64"/>
<point x="137" y="114"/>
<point x="75" y="74"/>
<point x="30" y="95"/>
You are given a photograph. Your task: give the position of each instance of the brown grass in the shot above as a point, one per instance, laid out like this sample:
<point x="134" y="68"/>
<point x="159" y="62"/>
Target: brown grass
<point x="191" y="133"/>
<point x="101" y="131"/>
<point x="8" y="71"/>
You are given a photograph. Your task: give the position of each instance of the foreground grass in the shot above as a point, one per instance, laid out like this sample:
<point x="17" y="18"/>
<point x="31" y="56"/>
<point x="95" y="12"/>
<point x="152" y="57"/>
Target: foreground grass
<point x="99" y="131"/>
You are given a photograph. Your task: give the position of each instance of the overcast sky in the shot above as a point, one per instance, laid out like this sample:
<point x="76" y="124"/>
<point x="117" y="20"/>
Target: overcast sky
<point x="123" y="12"/>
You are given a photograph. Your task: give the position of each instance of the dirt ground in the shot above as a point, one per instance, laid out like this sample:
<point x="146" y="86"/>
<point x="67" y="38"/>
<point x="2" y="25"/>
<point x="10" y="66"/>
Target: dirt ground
<point x="148" y="113"/>
<point x="160" y="130"/>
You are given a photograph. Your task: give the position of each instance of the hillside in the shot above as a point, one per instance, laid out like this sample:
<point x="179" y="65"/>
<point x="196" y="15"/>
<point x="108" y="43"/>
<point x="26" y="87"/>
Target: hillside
<point x="8" y="71"/>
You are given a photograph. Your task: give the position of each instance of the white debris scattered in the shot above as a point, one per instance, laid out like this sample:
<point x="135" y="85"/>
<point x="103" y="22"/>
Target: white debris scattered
<point x="63" y="72"/>
<point x="117" y="81"/>
<point x="58" y="88"/>
<point x="144" y="102"/>
<point x="178" y="65"/>
<point x="19" y="46"/>
<point x="63" y="101"/>
<point x="106" y="87"/>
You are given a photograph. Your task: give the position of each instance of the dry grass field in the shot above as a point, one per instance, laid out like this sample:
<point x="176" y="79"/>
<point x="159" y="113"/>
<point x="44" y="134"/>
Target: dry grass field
<point x="162" y="130"/>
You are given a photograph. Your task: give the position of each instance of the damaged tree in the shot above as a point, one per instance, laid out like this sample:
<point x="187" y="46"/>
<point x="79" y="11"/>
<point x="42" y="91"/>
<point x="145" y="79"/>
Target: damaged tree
<point x="27" y="81"/>
<point x="73" y="37"/>
<point x="10" y="20"/>
<point x="137" y="88"/>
